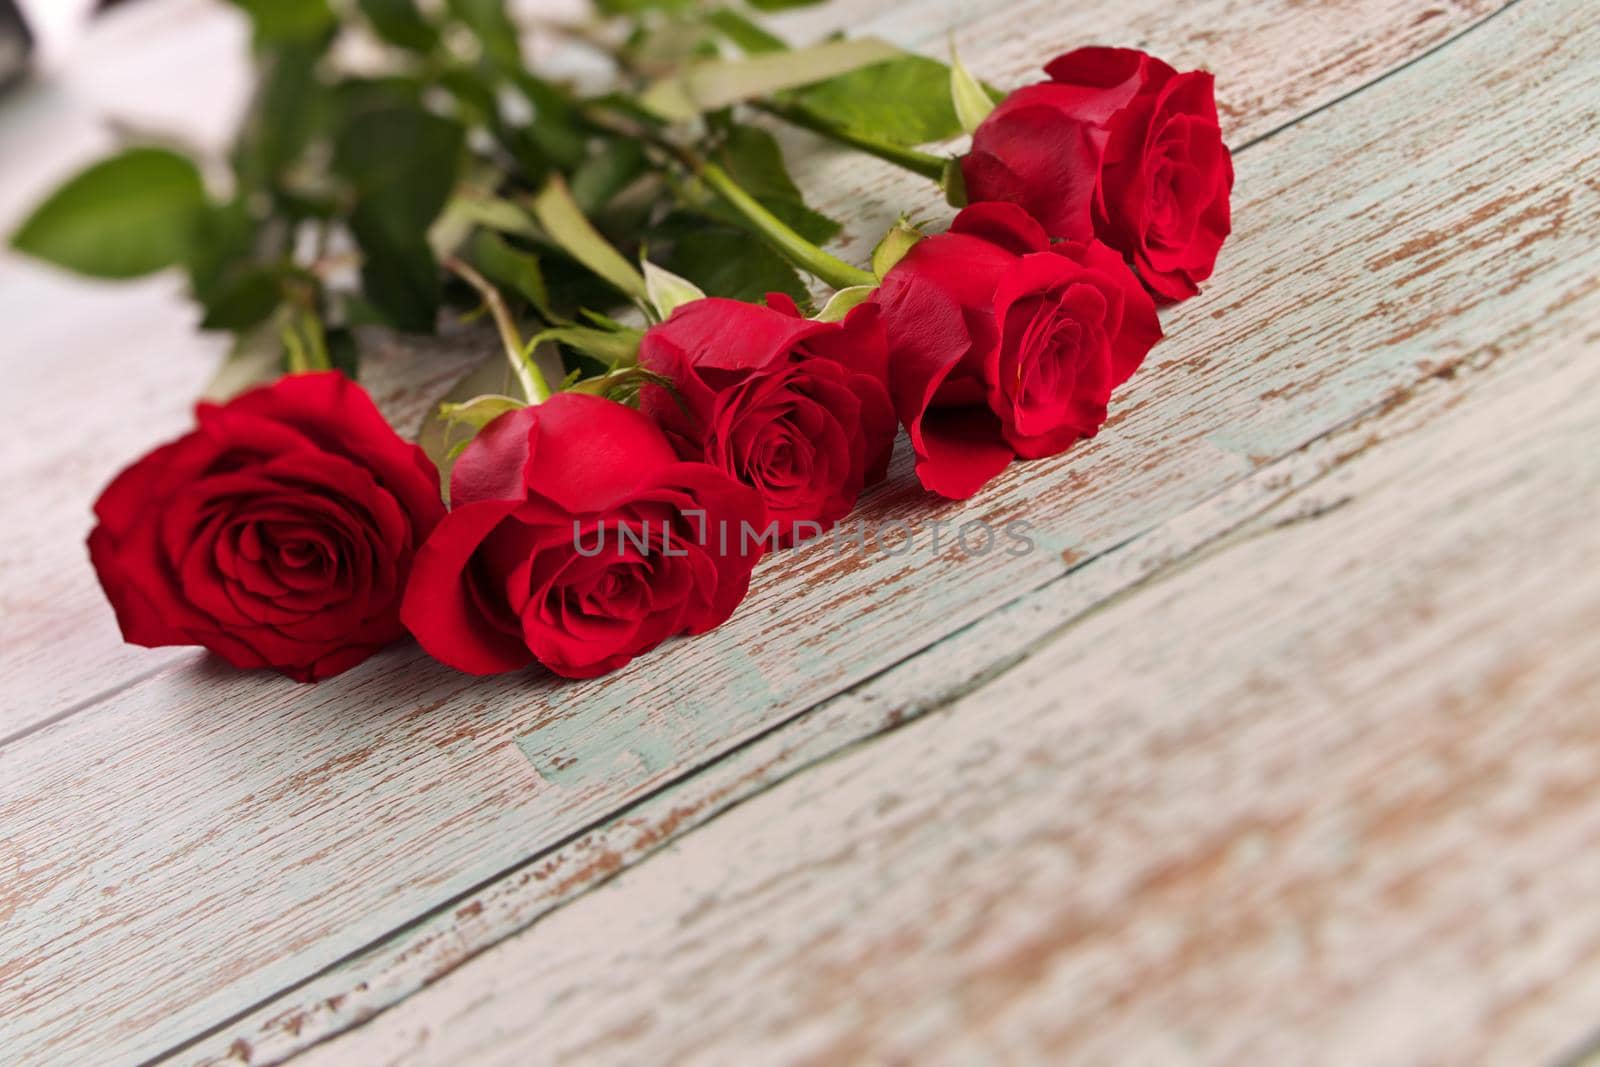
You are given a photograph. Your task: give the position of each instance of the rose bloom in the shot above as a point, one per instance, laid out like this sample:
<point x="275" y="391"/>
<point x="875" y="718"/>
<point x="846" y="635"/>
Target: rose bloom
<point x="1118" y="146"/>
<point x="796" y="409"/>
<point x="578" y="538"/>
<point x="279" y="533"/>
<point x="1003" y="344"/>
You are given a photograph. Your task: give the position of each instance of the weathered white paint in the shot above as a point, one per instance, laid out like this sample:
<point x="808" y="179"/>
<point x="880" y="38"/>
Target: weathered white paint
<point x="251" y="832"/>
<point x="1325" y="791"/>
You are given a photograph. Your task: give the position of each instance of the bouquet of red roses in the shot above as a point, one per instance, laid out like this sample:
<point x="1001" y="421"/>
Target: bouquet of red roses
<point x="678" y="403"/>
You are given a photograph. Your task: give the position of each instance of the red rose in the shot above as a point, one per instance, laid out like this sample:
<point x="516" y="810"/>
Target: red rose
<point x="798" y="410"/>
<point x="576" y="537"/>
<point x="1002" y="344"/>
<point x="1119" y="146"/>
<point x="279" y="533"/>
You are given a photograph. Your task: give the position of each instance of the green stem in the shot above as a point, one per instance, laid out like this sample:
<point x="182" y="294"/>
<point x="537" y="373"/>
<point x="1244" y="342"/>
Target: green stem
<point x="799" y="251"/>
<point x="304" y="346"/>
<point x="534" y="387"/>
<point x="923" y="163"/>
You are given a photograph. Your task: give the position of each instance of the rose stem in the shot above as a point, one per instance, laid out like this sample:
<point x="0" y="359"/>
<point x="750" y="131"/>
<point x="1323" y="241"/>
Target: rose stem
<point x="534" y="387"/>
<point x="801" y="252"/>
<point x="923" y="163"/>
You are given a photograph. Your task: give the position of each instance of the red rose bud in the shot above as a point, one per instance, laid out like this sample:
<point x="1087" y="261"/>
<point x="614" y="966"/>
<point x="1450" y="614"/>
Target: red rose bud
<point x="1003" y="344"/>
<point x="279" y="533"/>
<point x="798" y="410"/>
<point x="1118" y="146"/>
<point x="577" y="538"/>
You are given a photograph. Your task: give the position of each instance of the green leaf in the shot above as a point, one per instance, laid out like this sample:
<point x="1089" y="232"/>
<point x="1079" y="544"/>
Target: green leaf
<point x="279" y="21"/>
<point x="494" y="29"/>
<point x="566" y="225"/>
<point x="443" y="440"/>
<point x="399" y="23"/>
<point x="399" y="275"/>
<point x="403" y="163"/>
<point x="905" y="101"/>
<point x="480" y="411"/>
<point x="126" y="216"/>
<point x="513" y="269"/>
<point x="714" y="85"/>
<point x="781" y="5"/>
<point x="343" y="352"/>
<point x="221" y="242"/>
<point x="607" y="172"/>
<point x="289" y="107"/>
<point x="753" y="158"/>
<point x="894" y="246"/>
<point x="724" y="261"/>
<point x="954" y="184"/>
<point x="557" y="126"/>
<point x="668" y="292"/>
<point x="745" y="35"/>
<point x="971" y="100"/>
<point x="844" y="301"/>
<point x="243" y="301"/>
<point x="612" y="348"/>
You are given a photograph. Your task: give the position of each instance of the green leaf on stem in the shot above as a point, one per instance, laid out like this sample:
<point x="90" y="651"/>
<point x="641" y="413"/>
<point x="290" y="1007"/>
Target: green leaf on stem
<point x="716" y="84"/>
<point x="556" y="127"/>
<point x="954" y="184"/>
<point x="443" y="439"/>
<point x="618" y="348"/>
<point x="399" y="273"/>
<point x="752" y="157"/>
<point x="221" y="244"/>
<point x="513" y="269"/>
<point x="399" y="23"/>
<point x="279" y="21"/>
<point x="904" y="101"/>
<point x="894" y="246"/>
<point x="243" y="301"/>
<point x="667" y="291"/>
<point x="288" y="108"/>
<point x="724" y="261"/>
<point x="472" y="416"/>
<point x="970" y="99"/>
<point x="402" y="163"/>
<point x="619" y="162"/>
<point x="123" y="217"/>
<point x="844" y="301"/>
<point x="566" y="225"/>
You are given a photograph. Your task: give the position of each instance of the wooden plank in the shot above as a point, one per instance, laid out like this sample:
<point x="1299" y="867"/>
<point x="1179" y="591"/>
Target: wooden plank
<point x="372" y="799"/>
<point x="423" y="954"/>
<point x="1358" y="823"/>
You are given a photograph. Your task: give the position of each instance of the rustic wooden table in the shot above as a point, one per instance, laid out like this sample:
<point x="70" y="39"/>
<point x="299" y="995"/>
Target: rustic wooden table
<point x="1284" y="748"/>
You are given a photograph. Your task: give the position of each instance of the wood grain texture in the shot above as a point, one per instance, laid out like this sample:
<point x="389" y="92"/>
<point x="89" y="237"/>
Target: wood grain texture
<point x="1359" y="822"/>
<point x="258" y="832"/>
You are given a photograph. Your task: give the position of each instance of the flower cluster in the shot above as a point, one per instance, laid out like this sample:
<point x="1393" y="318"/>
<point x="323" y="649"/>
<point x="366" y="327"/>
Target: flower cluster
<point x="590" y="522"/>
